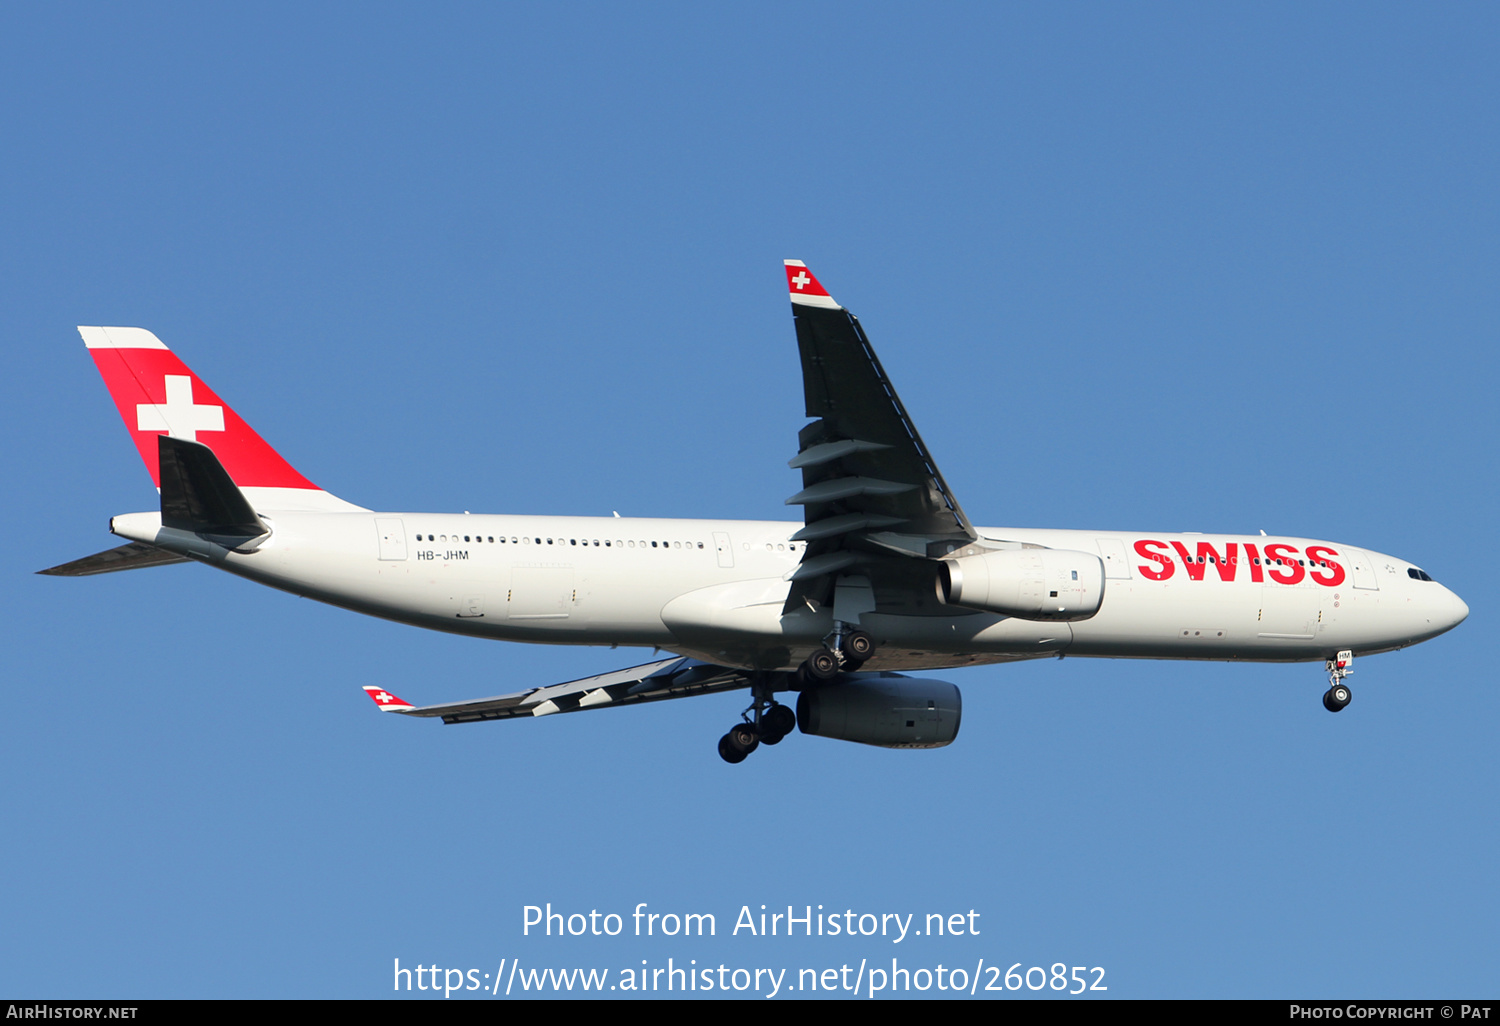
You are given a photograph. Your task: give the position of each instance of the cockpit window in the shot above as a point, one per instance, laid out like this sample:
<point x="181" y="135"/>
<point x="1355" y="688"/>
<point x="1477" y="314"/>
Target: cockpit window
<point x="1417" y="575"/>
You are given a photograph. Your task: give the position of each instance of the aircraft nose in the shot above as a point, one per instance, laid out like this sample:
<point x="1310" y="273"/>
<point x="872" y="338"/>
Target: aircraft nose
<point x="1449" y="611"/>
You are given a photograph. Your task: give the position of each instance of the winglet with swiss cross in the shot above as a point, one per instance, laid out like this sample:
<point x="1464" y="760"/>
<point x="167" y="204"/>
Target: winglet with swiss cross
<point x="804" y="288"/>
<point x="386" y="700"/>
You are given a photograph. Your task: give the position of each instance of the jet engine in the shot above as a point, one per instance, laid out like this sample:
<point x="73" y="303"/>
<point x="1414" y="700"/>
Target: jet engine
<point x="886" y="709"/>
<point x="1031" y="584"/>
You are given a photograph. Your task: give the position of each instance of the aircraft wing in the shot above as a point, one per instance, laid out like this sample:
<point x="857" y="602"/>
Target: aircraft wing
<point x="872" y="496"/>
<point x="678" y="677"/>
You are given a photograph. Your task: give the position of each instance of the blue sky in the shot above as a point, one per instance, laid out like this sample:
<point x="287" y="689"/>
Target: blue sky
<point x="1143" y="267"/>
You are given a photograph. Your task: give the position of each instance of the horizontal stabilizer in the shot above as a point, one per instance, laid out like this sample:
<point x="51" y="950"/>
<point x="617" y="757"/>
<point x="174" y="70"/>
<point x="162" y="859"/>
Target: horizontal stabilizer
<point x="198" y="495"/>
<point x="134" y="556"/>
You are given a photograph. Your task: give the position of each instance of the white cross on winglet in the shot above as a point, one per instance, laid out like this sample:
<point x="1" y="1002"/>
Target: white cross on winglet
<point x="178" y="416"/>
<point x="801" y="280"/>
<point x="384" y="697"/>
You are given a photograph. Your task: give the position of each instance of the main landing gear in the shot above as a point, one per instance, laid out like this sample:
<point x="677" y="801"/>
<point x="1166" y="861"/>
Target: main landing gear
<point x="843" y="651"/>
<point x="766" y="722"/>
<point x="1338" y="695"/>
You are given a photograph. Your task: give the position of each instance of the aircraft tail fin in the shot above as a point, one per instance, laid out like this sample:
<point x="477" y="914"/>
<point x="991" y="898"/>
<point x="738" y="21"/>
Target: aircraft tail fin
<point x="157" y="395"/>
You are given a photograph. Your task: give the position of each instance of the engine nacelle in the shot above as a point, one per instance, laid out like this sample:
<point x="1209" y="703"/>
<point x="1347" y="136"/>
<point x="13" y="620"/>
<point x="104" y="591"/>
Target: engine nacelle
<point x="1031" y="584"/>
<point x="885" y="709"/>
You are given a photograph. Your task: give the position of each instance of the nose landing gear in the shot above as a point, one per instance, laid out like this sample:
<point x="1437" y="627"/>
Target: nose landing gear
<point x="1338" y="694"/>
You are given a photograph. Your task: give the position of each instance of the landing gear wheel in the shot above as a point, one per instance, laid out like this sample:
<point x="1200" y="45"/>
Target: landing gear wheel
<point x="744" y="738"/>
<point x="1340" y="666"/>
<point x="728" y="752"/>
<point x="1336" y="697"/>
<point x="859" y="646"/>
<point x="776" y="723"/>
<point x="822" y="665"/>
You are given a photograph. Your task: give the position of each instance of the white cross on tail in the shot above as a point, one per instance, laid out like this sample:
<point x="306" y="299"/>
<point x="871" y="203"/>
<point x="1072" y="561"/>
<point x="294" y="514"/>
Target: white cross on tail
<point x="178" y="416"/>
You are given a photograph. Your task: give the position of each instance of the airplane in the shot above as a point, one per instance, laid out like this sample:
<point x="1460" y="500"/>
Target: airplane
<point x="885" y="576"/>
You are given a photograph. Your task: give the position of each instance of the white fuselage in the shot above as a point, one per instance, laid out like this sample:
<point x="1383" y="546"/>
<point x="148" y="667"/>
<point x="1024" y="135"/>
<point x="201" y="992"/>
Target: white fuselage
<point x="716" y="589"/>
